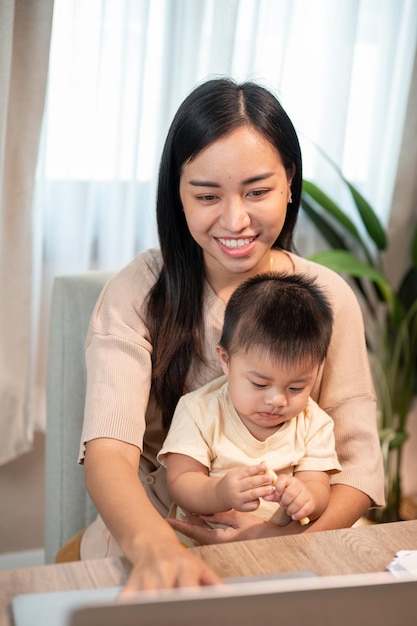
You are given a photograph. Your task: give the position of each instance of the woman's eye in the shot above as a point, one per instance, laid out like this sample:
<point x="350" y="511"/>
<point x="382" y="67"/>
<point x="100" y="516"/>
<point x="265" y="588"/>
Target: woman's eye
<point x="258" y="192"/>
<point x="207" y="198"/>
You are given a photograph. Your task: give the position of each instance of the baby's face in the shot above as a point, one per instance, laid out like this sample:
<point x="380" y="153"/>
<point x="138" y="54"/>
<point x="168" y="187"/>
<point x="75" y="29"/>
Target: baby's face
<point x="266" y="395"/>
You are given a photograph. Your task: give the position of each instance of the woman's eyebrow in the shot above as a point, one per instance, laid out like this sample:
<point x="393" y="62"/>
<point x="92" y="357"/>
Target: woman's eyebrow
<point x="255" y="179"/>
<point x="202" y="183"/>
<point x="247" y="181"/>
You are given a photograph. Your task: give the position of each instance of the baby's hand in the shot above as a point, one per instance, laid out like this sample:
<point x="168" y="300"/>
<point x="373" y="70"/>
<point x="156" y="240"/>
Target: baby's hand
<point x="242" y="487"/>
<point x="293" y="495"/>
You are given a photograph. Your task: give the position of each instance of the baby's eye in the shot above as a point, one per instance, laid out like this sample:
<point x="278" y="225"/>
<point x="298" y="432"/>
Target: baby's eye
<point x="296" y="389"/>
<point x="258" y="385"/>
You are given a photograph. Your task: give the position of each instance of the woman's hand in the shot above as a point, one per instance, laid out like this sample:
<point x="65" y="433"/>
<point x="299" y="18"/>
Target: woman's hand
<point x="238" y="527"/>
<point x="167" y="565"/>
<point x="158" y="559"/>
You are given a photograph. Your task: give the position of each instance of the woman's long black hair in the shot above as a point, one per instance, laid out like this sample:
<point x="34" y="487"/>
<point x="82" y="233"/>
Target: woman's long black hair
<point x="174" y="311"/>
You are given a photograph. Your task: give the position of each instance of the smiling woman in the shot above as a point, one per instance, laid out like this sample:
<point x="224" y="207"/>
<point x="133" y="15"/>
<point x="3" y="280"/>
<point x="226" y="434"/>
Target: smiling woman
<point x="154" y="332"/>
<point x="235" y="196"/>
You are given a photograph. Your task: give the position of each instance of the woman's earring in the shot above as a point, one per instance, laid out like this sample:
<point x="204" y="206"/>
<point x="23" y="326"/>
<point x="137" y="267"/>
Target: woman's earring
<point x="290" y="197"/>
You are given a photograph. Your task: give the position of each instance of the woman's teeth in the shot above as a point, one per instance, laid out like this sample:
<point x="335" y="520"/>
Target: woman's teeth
<point x="236" y="243"/>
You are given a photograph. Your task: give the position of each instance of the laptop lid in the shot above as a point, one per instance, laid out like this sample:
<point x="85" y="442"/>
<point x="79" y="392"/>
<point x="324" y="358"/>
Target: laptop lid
<point x="355" y="600"/>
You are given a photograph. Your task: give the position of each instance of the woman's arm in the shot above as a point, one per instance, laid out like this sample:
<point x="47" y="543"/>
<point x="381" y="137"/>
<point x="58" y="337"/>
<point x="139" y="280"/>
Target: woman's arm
<point x="346" y="505"/>
<point x="150" y="544"/>
<point x="345" y="390"/>
<point x="194" y="490"/>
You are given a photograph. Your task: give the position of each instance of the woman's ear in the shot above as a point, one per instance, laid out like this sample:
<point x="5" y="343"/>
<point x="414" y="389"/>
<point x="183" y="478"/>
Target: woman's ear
<point x="290" y="176"/>
<point x="224" y="358"/>
<point x="291" y="173"/>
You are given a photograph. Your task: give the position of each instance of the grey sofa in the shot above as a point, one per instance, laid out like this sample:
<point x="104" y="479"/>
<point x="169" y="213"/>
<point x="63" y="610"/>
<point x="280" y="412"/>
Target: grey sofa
<point x="68" y="507"/>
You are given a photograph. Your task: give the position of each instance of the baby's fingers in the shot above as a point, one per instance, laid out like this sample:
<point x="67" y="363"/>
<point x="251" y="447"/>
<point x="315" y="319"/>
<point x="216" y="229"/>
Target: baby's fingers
<point x="283" y="482"/>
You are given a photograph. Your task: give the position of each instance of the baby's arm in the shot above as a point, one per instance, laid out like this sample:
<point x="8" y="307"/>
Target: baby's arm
<point x="305" y="495"/>
<point x="195" y="491"/>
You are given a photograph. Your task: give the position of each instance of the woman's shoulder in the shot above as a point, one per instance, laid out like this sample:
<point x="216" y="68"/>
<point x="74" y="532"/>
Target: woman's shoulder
<point x="123" y="297"/>
<point x="141" y="273"/>
<point x="145" y="263"/>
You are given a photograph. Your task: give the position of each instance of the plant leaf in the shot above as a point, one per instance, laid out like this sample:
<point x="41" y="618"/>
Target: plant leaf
<point x="331" y="207"/>
<point x="407" y="291"/>
<point x="395" y="439"/>
<point x="369" y="218"/>
<point x="323" y="226"/>
<point x="345" y="262"/>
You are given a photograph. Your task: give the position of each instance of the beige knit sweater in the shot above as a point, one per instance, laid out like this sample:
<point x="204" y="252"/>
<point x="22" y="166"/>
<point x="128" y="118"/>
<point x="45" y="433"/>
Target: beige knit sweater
<point x="118" y="352"/>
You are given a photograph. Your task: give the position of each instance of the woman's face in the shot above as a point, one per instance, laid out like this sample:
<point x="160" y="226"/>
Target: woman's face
<point x="234" y="195"/>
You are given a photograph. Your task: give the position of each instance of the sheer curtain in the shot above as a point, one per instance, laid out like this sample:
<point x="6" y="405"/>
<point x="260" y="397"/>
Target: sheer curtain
<point x="25" y="29"/>
<point x="119" y="69"/>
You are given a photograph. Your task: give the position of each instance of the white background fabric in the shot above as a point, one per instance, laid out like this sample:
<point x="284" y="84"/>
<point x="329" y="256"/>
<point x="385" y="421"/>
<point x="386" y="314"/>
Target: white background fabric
<point x="24" y="48"/>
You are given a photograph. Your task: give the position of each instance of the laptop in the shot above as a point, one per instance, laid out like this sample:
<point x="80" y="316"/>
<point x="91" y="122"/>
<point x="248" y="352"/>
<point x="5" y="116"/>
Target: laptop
<point x="353" y="600"/>
<point x="358" y="600"/>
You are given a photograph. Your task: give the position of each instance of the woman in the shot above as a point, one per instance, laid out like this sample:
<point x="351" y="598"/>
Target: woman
<point x="228" y="195"/>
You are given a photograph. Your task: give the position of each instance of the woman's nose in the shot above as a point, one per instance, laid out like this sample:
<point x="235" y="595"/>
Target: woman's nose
<point x="234" y="217"/>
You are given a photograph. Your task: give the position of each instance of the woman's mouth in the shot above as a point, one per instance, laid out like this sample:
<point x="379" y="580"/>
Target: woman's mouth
<point x="236" y="243"/>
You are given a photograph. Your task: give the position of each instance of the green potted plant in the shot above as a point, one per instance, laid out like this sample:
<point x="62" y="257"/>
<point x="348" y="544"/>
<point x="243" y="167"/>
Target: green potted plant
<point x="390" y="316"/>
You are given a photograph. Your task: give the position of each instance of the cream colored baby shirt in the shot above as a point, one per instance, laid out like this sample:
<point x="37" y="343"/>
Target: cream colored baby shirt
<point x="207" y="428"/>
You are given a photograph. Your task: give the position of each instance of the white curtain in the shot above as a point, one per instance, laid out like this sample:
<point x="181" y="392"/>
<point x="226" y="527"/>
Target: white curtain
<point x="25" y="29"/>
<point x="120" y="68"/>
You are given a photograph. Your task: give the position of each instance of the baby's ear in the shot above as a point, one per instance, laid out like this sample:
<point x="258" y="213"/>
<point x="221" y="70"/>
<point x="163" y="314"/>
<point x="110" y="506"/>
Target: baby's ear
<point x="224" y="358"/>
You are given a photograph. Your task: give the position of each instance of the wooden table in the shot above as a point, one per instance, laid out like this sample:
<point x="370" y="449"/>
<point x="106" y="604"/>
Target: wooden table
<point x="334" y="552"/>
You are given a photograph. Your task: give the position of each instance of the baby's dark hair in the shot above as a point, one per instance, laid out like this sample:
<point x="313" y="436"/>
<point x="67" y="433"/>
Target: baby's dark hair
<point x="287" y="317"/>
